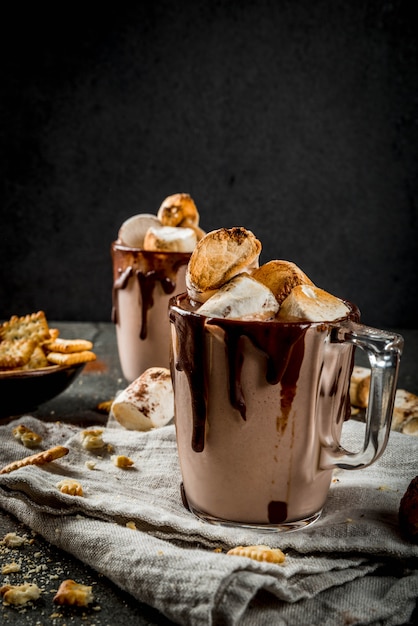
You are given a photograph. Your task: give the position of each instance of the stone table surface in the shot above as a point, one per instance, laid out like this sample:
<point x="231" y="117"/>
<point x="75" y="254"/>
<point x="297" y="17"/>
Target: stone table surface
<point x="99" y="382"/>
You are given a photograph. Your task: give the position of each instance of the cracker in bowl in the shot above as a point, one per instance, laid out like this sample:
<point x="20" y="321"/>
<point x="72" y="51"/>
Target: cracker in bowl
<point x="69" y="346"/>
<point x="32" y="326"/>
<point x="15" y="353"/>
<point x="72" y="358"/>
<point x="27" y="343"/>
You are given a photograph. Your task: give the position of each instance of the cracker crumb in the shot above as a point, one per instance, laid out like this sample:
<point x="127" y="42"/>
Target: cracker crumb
<point x="92" y="439"/>
<point x="122" y="461"/>
<point x="70" y="487"/>
<point x="73" y="593"/>
<point x="12" y="540"/>
<point x="10" y="568"/>
<point x="27" y="437"/>
<point x="20" y="594"/>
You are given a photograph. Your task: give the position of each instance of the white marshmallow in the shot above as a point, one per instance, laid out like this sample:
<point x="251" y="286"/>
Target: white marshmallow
<point x="148" y="402"/>
<point x="133" y="230"/>
<point x="241" y="297"/>
<point x="311" y="304"/>
<point x="170" y="239"/>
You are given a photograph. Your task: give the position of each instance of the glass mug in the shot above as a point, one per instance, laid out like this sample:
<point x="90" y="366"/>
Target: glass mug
<point x="143" y="282"/>
<point x="259" y="410"/>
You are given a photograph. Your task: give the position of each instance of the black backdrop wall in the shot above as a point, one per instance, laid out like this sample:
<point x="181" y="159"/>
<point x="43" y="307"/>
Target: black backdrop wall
<point x="297" y="119"/>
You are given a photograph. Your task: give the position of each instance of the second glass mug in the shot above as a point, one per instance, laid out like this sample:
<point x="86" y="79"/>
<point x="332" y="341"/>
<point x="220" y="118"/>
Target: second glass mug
<point x="259" y="411"/>
<point x="143" y="283"/>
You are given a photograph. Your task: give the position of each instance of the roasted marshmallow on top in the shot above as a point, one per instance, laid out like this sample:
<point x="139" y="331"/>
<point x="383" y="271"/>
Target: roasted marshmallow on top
<point x="224" y="275"/>
<point x="175" y="228"/>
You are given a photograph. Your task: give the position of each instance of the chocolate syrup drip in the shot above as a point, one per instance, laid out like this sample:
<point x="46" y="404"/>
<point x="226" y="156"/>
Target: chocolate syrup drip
<point x="148" y="267"/>
<point x="277" y="511"/>
<point x="190" y="331"/>
<point x="147" y="284"/>
<point x="120" y="283"/>
<point x="235" y="360"/>
<point x="282" y="344"/>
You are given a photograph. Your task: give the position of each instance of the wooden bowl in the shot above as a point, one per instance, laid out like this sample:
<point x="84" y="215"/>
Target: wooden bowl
<point x="24" y="390"/>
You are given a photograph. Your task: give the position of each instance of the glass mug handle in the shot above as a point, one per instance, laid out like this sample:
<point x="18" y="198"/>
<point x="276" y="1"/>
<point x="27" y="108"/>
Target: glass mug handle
<point x="384" y="351"/>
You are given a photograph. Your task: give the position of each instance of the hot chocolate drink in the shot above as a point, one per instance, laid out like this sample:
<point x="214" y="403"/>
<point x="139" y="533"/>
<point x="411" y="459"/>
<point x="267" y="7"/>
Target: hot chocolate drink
<point x="149" y="263"/>
<point x="261" y="381"/>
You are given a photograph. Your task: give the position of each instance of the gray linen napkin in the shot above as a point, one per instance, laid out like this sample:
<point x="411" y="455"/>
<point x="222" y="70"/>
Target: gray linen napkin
<point x="350" y="567"/>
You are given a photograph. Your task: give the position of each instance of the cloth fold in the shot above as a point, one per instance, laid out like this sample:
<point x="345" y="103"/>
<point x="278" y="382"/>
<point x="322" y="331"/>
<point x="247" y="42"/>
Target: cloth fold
<point x="352" y="564"/>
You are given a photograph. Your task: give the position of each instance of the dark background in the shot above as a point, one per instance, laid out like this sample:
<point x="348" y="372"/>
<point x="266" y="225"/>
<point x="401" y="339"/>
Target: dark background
<point x="297" y="119"/>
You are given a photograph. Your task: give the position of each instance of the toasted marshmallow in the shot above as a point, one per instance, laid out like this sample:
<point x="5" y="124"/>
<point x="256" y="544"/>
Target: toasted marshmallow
<point x="194" y="294"/>
<point x="405" y="409"/>
<point x="188" y="223"/>
<point x="148" y="402"/>
<point x="133" y="230"/>
<point x="281" y="277"/>
<point x="176" y="208"/>
<point x="170" y="239"/>
<point x="218" y="257"/>
<point x="241" y="297"/>
<point x="311" y="304"/>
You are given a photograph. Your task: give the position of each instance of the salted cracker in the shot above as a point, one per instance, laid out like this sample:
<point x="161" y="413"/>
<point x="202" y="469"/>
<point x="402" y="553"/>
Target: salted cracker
<point x="259" y="553"/>
<point x="68" y="346"/>
<point x="72" y="358"/>
<point x="32" y="326"/>
<point x="15" y="353"/>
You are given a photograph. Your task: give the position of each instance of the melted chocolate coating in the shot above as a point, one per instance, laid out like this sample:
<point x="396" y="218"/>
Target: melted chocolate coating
<point x="149" y="268"/>
<point x="281" y="342"/>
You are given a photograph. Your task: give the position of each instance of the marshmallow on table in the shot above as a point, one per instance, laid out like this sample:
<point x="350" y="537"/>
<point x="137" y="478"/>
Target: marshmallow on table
<point x="311" y="304"/>
<point x="133" y="230"/>
<point x="218" y="257"/>
<point x="170" y="239"/>
<point x="148" y="402"/>
<point x="241" y="297"/>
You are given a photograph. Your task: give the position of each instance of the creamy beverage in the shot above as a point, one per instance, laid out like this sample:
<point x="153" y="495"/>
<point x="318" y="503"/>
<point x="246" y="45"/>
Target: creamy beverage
<point x="149" y="262"/>
<point x="262" y="390"/>
<point x="143" y="282"/>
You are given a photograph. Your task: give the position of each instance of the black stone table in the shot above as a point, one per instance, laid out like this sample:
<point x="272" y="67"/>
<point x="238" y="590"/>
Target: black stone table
<point x="99" y="382"/>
